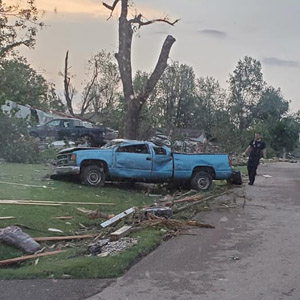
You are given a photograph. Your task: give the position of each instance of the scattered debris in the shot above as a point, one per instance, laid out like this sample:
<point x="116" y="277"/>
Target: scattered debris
<point x="15" y="237"/>
<point x="26" y="257"/>
<point x="172" y="224"/>
<point x="55" y="230"/>
<point x="267" y="176"/>
<point x="158" y="211"/>
<point x="197" y="202"/>
<point x="7" y="218"/>
<point x="118" y="217"/>
<point x="233" y="257"/>
<point x="94" y="214"/>
<point x="105" y="247"/>
<point x="64" y="238"/>
<point x="121" y="232"/>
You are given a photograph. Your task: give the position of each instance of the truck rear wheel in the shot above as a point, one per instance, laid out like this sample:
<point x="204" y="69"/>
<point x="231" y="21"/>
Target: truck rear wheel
<point x="93" y="176"/>
<point x="201" y="181"/>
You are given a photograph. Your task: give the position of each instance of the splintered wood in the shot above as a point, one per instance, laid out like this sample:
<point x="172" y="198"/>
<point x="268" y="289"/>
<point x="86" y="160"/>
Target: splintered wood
<point x="172" y="224"/>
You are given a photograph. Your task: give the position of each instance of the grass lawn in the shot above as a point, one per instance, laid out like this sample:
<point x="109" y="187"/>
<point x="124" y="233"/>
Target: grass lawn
<point x="35" y="220"/>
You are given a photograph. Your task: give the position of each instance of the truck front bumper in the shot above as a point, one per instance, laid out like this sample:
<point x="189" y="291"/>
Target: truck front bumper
<point x="68" y="170"/>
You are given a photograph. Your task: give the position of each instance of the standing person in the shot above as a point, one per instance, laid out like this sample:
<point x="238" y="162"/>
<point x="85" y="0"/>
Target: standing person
<point x="257" y="149"/>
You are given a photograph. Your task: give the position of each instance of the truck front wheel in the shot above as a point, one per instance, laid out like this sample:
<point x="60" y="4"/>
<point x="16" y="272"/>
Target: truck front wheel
<point x="201" y="181"/>
<point x="93" y="176"/>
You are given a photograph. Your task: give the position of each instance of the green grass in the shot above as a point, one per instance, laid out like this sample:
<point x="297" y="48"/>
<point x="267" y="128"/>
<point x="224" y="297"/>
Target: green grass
<point x="35" y="220"/>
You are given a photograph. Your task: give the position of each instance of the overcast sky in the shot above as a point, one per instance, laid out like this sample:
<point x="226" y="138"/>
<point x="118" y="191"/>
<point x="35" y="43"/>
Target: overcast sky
<point x="211" y="36"/>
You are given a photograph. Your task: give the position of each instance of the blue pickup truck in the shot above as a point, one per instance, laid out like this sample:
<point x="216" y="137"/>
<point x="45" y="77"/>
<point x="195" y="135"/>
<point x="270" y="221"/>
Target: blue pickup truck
<point x="143" y="162"/>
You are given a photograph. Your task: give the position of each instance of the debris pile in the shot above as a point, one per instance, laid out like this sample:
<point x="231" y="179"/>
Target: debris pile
<point x="106" y="247"/>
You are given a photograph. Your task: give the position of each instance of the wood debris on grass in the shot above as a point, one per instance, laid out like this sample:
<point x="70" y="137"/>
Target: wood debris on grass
<point x="172" y="224"/>
<point x="26" y="257"/>
<point x="63" y="218"/>
<point x="41" y="202"/>
<point x="95" y="214"/>
<point x="18" y="202"/>
<point x="64" y="238"/>
<point x="121" y="232"/>
<point x="7" y="218"/>
<point x="118" y="217"/>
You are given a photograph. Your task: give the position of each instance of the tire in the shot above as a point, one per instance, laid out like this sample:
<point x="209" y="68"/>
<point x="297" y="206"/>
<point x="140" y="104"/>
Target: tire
<point x="93" y="176"/>
<point x="201" y="181"/>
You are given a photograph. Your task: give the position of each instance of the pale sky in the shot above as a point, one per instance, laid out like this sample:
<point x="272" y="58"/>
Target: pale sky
<point x="211" y="36"/>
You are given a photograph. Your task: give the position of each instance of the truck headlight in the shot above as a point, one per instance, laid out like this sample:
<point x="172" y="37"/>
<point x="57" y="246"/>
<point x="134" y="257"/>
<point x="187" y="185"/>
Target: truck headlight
<point x="73" y="157"/>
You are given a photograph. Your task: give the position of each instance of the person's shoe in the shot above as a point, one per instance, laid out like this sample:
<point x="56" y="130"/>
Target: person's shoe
<point x="250" y="183"/>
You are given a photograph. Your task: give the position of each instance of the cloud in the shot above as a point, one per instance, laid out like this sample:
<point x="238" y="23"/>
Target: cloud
<point x="213" y="33"/>
<point x="278" y="62"/>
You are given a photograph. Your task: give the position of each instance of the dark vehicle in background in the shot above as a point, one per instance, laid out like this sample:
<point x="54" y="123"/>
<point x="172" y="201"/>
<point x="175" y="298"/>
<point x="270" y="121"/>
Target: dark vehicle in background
<point x="71" y="130"/>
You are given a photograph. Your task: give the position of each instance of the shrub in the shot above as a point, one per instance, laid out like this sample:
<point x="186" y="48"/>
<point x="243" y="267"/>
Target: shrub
<point x="15" y="143"/>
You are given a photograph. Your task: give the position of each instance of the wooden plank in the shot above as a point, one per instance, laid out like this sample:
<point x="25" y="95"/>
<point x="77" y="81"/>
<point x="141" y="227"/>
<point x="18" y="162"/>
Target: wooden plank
<point x="61" y="202"/>
<point x="123" y="231"/>
<point x="63" y="218"/>
<point x="13" y="202"/>
<point x="26" y="257"/>
<point x="7" y="218"/>
<point x="64" y="238"/>
<point x="118" y="217"/>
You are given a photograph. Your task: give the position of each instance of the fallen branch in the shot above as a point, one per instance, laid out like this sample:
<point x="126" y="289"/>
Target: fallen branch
<point x="186" y="199"/>
<point x="64" y="238"/>
<point x="26" y="257"/>
<point x="172" y="223"/>
<point x="197" y="202"/>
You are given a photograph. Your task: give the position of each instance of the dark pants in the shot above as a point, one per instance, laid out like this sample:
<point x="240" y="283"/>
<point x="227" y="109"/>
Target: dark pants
<point x="252" y="167"/>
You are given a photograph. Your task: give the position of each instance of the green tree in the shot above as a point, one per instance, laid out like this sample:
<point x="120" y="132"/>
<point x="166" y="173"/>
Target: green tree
<point x="176" y="96"/>
<point x="271" y="105"/>
<point x="245" y="87"/>
<point x="19" y="22"/>
<point x="285" y="135"/>
<point x="211" y="99"/>
<point x="23" y="85"/>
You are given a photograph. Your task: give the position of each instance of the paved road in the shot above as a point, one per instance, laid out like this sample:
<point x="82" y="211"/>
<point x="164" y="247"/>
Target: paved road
<point x="264" y="239"/>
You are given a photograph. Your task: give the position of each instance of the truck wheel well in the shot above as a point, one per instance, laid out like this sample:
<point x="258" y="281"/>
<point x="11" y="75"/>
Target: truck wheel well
<point x="209" y="170"/>
<point x="96" y="162"/>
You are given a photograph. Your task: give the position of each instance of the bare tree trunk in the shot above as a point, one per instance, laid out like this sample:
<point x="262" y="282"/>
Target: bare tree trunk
<point x="134" y="103"/>
<point x="68" y="93"/>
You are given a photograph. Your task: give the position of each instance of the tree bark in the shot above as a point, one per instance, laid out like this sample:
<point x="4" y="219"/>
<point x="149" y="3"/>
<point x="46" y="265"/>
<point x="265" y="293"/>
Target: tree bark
<point x="68" y="97"/>
<point x="134" y="103"/>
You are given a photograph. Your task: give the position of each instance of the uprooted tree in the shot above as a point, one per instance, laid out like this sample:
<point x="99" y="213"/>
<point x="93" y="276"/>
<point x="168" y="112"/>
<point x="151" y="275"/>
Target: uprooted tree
<point x="135" y="101"/>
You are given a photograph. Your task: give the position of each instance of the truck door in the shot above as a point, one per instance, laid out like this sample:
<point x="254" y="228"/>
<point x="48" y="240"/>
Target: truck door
<point x="66" y="129"/>
<point x="133" y="161"/>
<point x="52" y="128"/>
<point x="162" y="167"/>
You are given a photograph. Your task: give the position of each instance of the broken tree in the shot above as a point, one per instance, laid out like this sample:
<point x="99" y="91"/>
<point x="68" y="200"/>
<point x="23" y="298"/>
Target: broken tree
<point x="134" y="102"/>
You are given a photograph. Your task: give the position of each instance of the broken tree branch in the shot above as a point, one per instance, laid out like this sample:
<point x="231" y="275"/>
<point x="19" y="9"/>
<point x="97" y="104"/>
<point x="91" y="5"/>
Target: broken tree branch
<point x="138" y="20"/>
